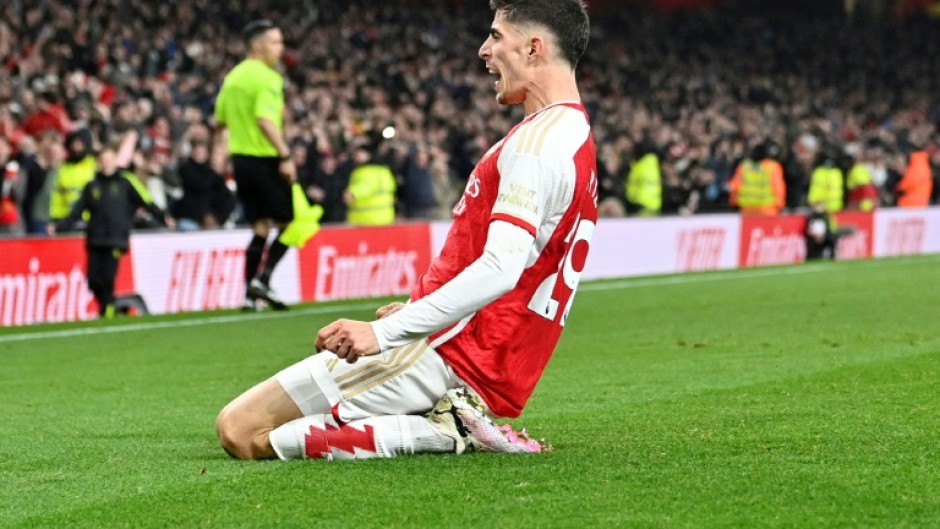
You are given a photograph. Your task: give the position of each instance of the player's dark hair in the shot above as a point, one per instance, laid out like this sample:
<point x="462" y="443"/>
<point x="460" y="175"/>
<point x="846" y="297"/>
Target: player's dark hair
<point x="255" y="29"/>
<point x="566" y="19"/>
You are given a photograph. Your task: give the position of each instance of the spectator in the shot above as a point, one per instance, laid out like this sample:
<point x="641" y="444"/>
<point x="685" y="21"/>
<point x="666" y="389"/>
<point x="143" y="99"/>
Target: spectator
<point x="446" y="192"/>
<point x="916" y="185"/>
<point x="862" y="194"/>
<point x="757" y="187"/>
<point x="74" y="174"/>
<point x="370" y="197"/>
<point x="825" y="188"/>
<point x="50" y="114"/>
<point x="49" y="158"/>
<point x="644" y="182"/>
<point x="11" y="191"/>
<point x="36" y="169"/>
<point x="417" y="193"/>
<point x="326" y="186"/>
<point x="206" y="201"/>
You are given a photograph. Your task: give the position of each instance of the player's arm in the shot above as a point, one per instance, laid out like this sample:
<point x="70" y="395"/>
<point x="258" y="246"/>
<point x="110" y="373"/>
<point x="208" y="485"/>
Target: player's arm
<point x="495" y="273"/>
<point x="520" y="207"/>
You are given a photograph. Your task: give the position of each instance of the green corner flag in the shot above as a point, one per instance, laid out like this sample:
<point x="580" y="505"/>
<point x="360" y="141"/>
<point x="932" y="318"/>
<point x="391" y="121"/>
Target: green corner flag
<point x="306" y="221"/>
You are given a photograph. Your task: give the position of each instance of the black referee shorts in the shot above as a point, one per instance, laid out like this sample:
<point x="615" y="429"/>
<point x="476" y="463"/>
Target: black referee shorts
<point x="262" y="190"/>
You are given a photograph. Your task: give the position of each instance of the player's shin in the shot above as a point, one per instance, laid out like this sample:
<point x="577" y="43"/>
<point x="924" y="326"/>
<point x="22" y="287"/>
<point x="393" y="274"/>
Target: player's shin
<point x="321" y="437"/>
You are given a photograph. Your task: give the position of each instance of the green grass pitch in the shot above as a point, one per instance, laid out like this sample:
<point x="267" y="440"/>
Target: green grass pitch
<point x="801" y="397"/>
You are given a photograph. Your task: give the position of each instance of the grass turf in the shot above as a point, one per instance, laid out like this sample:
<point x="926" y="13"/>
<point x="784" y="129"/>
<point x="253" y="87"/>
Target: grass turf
<point x="786" y="397"/>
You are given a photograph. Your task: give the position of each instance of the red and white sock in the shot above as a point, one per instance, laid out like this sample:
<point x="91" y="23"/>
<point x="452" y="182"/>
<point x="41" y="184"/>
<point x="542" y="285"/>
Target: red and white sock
<point x="322" y="437"/>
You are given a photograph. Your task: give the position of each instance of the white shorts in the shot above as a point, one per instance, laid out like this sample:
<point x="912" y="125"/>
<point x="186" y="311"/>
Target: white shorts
<point x="408" y="380"/>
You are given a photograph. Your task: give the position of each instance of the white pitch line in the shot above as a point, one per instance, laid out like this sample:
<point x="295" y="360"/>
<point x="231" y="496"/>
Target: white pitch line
<point x="210" y="320"/>
<point x="694" y="278"/>
<point x="748" y="273"/>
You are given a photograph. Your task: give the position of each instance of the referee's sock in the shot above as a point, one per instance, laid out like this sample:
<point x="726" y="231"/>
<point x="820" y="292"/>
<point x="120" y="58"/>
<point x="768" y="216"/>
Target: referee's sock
<point x="275" y="252"/>
<point x="253" y="257"/>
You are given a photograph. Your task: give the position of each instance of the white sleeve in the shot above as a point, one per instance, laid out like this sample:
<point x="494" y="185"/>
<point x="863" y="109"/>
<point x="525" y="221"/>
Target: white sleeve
<point x="496" y="272"/>
<point x="522" y="190"/>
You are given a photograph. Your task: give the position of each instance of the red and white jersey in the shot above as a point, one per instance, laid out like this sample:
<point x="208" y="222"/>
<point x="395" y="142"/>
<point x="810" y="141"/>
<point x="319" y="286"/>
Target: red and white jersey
<point x="542" y="178"/>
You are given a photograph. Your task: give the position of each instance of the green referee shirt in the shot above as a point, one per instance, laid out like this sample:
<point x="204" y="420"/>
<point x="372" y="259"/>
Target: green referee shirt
<point x="252" y="90"/>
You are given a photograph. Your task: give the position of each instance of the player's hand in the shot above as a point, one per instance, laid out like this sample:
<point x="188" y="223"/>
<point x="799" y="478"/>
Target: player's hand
<point x="50" y="229"/>
<point x="348" y="339"/>
<point x="389" y="309"/>
<point x="170" y="222"/>
<point x="288" y="170"/>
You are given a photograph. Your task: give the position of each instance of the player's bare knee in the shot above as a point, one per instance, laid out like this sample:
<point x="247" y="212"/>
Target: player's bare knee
<point x="232" y="436"/>
<point x="239" y="437"/>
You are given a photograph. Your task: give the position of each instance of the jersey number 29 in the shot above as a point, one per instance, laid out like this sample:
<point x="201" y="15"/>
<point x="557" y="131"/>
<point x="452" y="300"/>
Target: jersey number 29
<point x="558" y="289"/>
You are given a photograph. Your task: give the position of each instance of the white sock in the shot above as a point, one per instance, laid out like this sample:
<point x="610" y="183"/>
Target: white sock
<point x="320" y="437"/>
<point x="426" y="439"/>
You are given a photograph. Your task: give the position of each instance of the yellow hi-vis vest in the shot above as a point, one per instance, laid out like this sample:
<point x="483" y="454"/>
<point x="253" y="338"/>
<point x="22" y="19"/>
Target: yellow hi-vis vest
<point x="373" y="189"/>
<point x="756" y="187"/>
<point x="644" y="184"/>
<point x="71" y="179"/>
<point x="826" y="187"/>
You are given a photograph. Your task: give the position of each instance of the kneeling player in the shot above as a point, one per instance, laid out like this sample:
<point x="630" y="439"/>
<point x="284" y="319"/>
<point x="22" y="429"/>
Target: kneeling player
<point x="484" y="319"/>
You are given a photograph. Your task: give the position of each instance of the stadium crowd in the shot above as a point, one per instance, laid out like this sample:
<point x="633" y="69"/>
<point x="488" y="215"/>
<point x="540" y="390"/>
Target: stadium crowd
<point x="699" y="93"/>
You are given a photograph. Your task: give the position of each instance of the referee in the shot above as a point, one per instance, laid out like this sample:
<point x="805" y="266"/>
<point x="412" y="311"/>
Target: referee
<point x="250" y="106"/>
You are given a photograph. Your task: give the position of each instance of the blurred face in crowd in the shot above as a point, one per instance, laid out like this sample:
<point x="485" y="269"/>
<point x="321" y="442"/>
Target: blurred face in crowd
<point x="328" y="164"/>
<point x="506" y="53"/>
<point x="299" y="154"/>
<point x="76" y="145"/>
<point x="268" y="47"/>
<point x="107" y="161"/>
<point x="200" y="153"/>
<point x="47" y="143"/>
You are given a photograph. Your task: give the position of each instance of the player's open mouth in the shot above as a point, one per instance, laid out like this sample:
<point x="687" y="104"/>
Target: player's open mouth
<point x="494" y="71"/>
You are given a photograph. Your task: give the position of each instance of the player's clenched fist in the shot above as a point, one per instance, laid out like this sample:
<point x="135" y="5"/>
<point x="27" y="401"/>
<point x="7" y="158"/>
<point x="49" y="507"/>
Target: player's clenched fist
<point x="348" y="339"/>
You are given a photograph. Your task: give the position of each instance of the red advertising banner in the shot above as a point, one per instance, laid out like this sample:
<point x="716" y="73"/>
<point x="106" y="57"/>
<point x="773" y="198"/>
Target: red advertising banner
<point x="44" y="280"/>
<point x="344" y="263"/>
<point x="860" y="243"/>
<point x="772" y="240"/>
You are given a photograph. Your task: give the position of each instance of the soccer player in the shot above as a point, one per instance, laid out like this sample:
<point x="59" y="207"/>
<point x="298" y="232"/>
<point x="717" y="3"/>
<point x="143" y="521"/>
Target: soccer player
<point x="250" y="106"/>
<point x="484" y="319"/>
